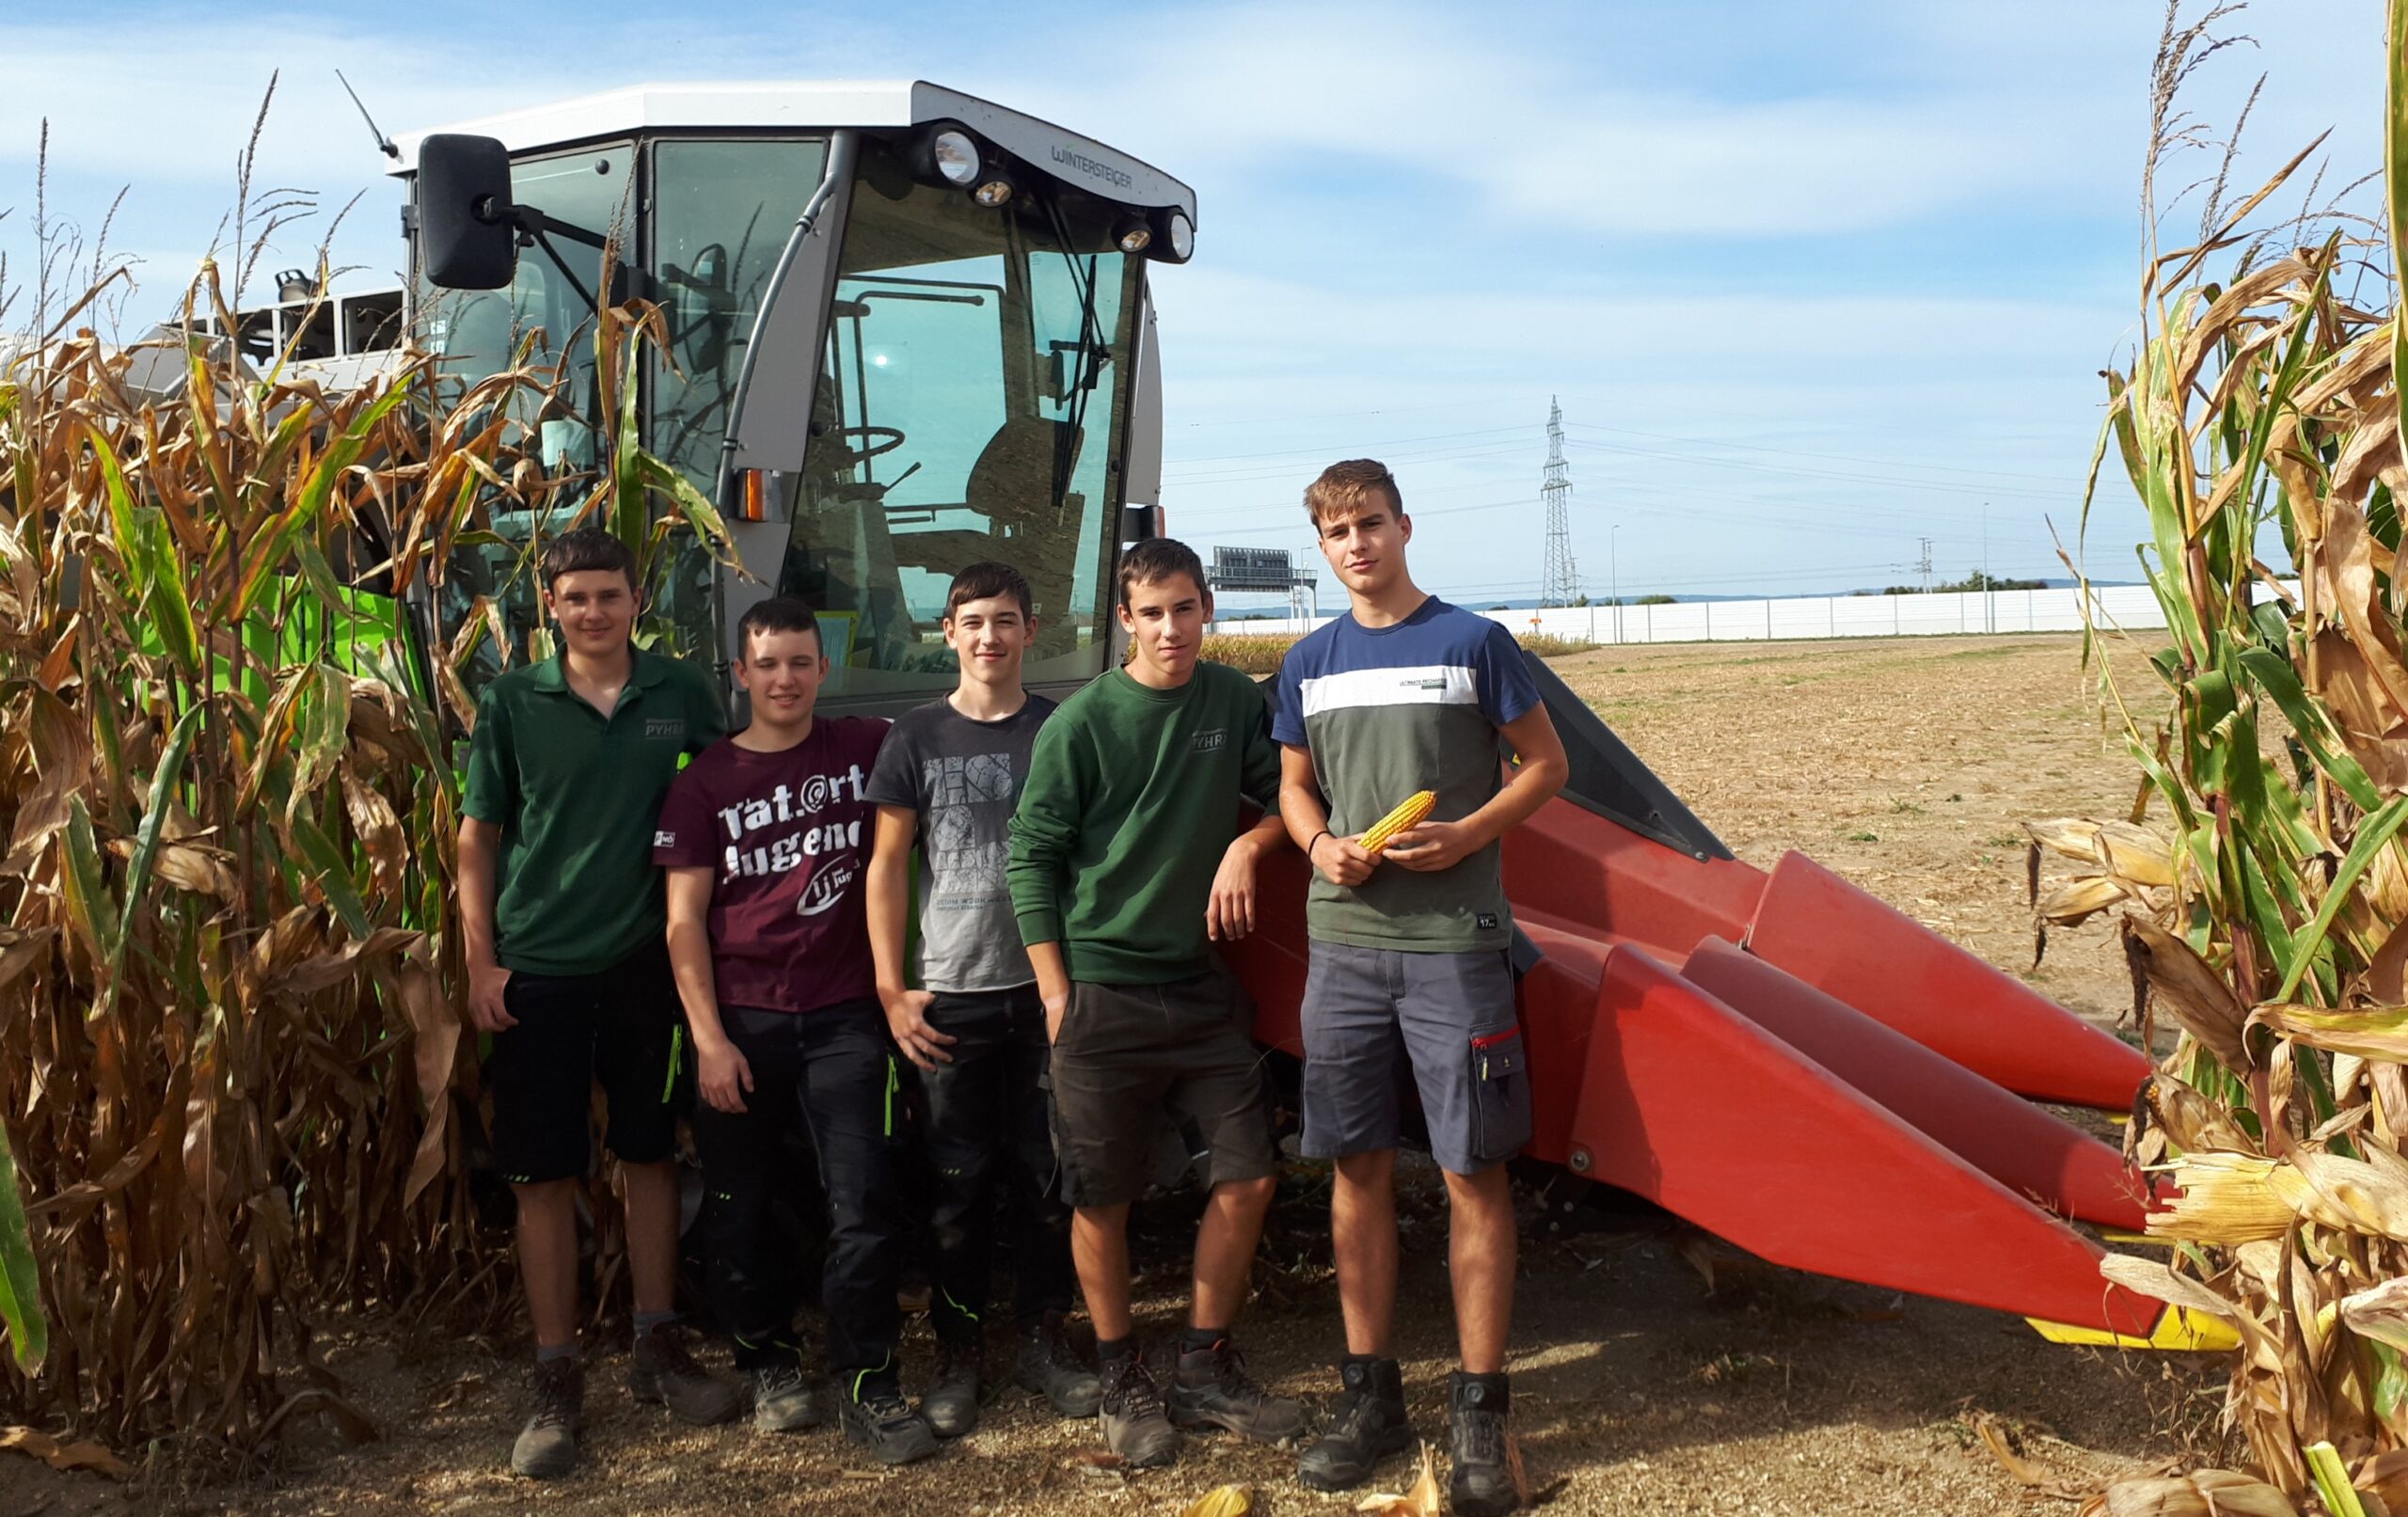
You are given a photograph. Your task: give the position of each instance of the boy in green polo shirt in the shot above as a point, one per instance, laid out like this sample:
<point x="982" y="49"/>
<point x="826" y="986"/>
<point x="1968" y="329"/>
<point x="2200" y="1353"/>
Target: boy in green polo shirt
<point x="564" y="921"/>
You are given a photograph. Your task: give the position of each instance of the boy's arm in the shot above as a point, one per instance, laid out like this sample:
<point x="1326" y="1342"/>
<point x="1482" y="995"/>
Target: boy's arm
<point x="1228" y="913"/>
<point x="1341" y="860"/>
<point x="1539" y="773"/>
<point x="889" y="901"/>
<point x="480" y="850"/>
<point x="720" y="1068"/>
<point x="1044" y="829"/>
<point x="488" y="802"/>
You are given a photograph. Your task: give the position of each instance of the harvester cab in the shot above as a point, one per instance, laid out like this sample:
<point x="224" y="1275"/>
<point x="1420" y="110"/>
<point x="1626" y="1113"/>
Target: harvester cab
<point x="909" y="329"/>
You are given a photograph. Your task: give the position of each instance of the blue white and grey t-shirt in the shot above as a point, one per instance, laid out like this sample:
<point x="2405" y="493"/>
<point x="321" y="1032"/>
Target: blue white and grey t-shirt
<point x="1387" y="711"/>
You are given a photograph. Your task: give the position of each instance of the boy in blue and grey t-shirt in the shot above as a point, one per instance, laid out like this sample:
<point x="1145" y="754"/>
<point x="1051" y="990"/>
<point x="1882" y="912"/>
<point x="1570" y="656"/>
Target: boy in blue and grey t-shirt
<point x="1410" y="957"/>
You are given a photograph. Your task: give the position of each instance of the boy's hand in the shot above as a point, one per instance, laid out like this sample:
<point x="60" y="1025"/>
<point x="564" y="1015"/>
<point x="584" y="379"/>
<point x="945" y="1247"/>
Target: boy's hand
<point x="1344" y="860"/>
<point x="488" y="1006"/>
<point x="1056" y="1002"/>
<point x="1434" y="846"/>
<point x="1228" y="915"/>
<point x="724" y="1076"/>
<point x="907" y="1017"/>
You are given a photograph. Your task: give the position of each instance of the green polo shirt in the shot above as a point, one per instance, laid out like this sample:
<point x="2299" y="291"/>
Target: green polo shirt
<point x="576" y="794"/>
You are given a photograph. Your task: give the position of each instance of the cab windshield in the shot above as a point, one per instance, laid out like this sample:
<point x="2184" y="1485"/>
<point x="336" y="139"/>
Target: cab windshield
<point x="970" y="407"/>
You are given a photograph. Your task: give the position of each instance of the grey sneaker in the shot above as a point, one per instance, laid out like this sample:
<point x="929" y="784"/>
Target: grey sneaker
<point x="663" y="1370"/>
<point x="784" y="1398"/>
<point x="1134" y="1424"/>
<point x="1212" y="1387"/>
<point x="546" y="1446"/>
<point x="951" y="1405"/>
<point x="881" y="1421"/>
<point x="1481" y="1486"/>
<point x="1369" y="1425"/>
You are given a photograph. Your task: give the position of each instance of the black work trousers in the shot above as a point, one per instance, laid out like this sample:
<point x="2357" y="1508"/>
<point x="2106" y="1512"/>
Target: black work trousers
<point x="832" y="1070"/>
<point x="987" y="1141"/>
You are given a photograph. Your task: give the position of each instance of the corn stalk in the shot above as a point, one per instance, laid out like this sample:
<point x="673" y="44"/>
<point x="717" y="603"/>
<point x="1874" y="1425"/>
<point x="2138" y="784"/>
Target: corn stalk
<point x="235" y="1083"/>
<point x="2266" y="914"/>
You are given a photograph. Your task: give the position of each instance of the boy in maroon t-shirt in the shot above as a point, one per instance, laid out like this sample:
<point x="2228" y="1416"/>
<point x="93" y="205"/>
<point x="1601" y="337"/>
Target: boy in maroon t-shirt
<point x="765" y="836"/>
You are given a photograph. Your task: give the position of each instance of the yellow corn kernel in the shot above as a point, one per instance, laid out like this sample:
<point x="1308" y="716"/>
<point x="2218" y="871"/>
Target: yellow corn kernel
<point x="1409" y="813"/>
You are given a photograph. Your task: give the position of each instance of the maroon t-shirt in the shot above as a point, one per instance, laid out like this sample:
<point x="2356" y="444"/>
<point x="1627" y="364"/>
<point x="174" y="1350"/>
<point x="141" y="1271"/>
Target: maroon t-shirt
<point x="789" y="835"/>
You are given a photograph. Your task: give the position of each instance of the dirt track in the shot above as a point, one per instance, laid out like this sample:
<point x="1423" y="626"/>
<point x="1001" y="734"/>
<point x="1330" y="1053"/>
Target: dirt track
<point x="1906" y="765"/>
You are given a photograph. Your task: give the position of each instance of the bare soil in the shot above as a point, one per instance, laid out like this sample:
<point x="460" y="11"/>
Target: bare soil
<point x="1906" y="765"/>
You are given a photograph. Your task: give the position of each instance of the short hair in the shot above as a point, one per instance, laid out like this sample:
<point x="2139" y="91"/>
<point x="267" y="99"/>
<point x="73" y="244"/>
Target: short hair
<point x="778" y="613"/>
<point x="584" y="548"/>
<point x="988" y="580"/>
<point x="1347" y="486"/>
<point x="1158" y="559"/>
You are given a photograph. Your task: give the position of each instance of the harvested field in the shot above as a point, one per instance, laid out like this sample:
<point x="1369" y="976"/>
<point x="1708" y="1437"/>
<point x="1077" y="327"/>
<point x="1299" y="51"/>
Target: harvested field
<point x="1906" y="765"/>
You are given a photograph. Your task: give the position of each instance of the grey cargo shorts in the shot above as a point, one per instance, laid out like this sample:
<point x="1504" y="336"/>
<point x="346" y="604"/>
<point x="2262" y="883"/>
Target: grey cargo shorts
<point x="1369" y="1013"/>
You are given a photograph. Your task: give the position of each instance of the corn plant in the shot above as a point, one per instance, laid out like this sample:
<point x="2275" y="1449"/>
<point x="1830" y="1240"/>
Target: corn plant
<point x="2265" y="907"/>
<point x="233" y="1069"/>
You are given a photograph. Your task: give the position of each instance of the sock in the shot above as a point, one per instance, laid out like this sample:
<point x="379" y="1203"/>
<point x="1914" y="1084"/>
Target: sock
<point x="1201" y="1338"/>
<point x="647" y="1321"/>
<point x="558" y="1350"/>
<point x="1108" y="1350"/>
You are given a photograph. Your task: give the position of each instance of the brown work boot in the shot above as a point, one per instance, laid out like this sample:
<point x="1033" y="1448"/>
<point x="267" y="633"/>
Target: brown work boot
<point x="547" y="1446"/>
<point x="1048" y="1364"/>
<point x="664" y="1370"/>
<point x="1476" y="1406"/>
<point x="1134" y="1425"/>
<point x="1212" y="1387"/>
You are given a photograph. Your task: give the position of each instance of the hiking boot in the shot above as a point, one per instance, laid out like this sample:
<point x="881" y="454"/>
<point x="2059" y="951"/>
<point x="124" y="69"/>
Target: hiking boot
<point x="1212" y="1386"/>
<point x="784" y="1398"/>
<point x="1368" y="1425"/>
<point x="1047" y="1365"/>
<point x="881" y="1421"/>
<point x="1481" y="1485"/>
<point x="951" y="1405"/>
<point x="1134" y="1425"/>
<point x="664" y="1370"/>
<point x="546" y="1446"/>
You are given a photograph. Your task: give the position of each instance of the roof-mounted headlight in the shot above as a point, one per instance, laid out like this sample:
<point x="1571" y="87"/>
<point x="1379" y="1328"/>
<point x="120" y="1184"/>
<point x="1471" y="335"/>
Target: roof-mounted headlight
<point x="995" y="190"/>
<point x="945" y="153"/>
<point x="1132" y="236"/>
<point x="1182" y="235"/>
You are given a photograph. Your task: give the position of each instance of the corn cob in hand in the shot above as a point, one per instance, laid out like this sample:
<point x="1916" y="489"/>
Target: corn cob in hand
<point x="1409" y="813"/>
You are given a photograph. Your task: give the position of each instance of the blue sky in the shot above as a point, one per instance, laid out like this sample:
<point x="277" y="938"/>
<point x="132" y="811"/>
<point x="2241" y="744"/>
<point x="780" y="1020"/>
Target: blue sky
<point x="1811" y="281"/>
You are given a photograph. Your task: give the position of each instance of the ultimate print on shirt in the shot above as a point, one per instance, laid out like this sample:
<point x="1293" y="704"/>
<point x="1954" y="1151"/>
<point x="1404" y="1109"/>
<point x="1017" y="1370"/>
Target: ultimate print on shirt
<point x="787" y="836"/>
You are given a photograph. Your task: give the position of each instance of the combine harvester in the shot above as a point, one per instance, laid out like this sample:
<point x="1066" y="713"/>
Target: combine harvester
<point x="913" y="330"/>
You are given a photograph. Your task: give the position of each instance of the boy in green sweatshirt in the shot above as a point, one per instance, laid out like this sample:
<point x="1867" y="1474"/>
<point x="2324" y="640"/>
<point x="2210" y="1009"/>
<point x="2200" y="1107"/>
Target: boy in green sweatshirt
<point x="1123" y="873"/>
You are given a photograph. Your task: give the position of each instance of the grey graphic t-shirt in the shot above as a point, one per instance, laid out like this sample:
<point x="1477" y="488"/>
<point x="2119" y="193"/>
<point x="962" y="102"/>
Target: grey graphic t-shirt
<point x="964" y="777"/>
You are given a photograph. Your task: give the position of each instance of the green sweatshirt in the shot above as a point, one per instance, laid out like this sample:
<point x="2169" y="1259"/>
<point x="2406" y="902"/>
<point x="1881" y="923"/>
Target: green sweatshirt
<point x="1130" y="801"/>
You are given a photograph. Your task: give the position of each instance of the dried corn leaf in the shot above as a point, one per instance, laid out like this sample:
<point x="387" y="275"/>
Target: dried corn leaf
<point x="1422" y="1500"/>
<point x="2204" y="1494"/>
<point x="2380" y="1313"/>
<point x="2191" y="992"/>
<point x="82" y="1454"/>
<point x="2226" y="1199"/>
<point x="2364" y="1032"/>
<point x="2346" y="1193"/>
<point x="2078" y="900"/>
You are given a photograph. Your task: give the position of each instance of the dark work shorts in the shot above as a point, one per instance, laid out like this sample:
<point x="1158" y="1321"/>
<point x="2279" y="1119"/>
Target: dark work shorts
<point x="1128" y="1054"/>
<point x="624" y="1027"/>
<point x="1370" y="1012"/>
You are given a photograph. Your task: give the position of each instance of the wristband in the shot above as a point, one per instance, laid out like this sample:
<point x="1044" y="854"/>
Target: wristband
<point x="1317" y="837"/>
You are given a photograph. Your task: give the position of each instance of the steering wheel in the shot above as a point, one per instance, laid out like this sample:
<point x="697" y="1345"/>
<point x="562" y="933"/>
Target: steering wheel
<point x="874" y="440"/>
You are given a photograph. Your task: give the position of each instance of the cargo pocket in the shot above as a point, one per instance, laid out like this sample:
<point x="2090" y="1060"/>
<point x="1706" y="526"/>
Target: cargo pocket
<point x="1500" y="1095"/>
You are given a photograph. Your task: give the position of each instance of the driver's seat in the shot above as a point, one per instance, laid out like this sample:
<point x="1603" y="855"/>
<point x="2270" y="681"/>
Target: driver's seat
<point x="1012" y="486"/>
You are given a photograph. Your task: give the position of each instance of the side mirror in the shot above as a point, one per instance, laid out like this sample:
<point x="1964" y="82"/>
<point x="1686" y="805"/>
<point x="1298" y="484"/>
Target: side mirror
<point x="467" y="240"/>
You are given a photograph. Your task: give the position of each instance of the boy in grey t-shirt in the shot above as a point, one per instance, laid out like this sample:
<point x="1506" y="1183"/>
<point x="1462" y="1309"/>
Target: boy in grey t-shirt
<point x="947" y="780"/>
